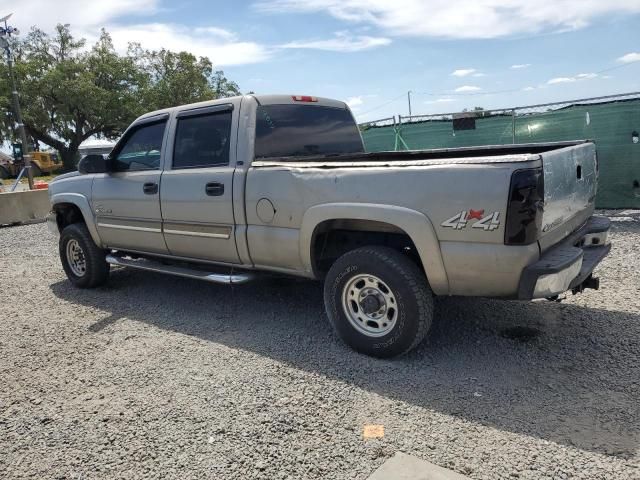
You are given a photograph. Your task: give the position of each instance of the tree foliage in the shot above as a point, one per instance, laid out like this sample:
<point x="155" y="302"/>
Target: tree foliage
<point x="178" y="78"/>
<point x="69" y="92"/>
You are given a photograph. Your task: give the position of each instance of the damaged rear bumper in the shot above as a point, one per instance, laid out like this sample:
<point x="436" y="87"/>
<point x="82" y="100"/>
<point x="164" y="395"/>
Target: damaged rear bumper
<point x="568" y="265"/>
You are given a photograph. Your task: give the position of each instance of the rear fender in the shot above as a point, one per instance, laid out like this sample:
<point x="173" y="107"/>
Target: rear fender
<point x="415" y="224"/>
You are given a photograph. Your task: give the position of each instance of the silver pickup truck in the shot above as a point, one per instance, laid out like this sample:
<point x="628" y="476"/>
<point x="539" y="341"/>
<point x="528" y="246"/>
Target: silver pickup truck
<point x="221" y="190"/>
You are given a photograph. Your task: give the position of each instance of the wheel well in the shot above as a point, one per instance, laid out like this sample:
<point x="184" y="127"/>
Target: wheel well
<point x="66" y="214"/>
<point x="333" y="238"/>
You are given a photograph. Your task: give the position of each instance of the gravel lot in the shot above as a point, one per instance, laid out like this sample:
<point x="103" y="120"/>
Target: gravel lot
<point x="157" y="377"/>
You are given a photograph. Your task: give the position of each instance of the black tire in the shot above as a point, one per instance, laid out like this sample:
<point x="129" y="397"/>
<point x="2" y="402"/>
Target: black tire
<point x="4" y="173"/>
<point x="96" y="269"/>
<point x="409" y="291"/>
<point x="35" y="170"/>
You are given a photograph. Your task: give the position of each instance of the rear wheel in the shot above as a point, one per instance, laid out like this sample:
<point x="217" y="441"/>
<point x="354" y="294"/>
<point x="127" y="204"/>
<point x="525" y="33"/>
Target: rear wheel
<point x="378" y="301"/>
<point x="82" y="260"/>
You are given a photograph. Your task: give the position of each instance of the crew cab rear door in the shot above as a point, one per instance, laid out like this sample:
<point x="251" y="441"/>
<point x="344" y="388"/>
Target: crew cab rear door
<point x="196" y="193"/>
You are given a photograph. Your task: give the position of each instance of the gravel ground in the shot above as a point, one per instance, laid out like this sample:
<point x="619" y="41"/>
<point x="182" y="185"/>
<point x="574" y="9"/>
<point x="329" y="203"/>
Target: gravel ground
<point x="157" y="377"/>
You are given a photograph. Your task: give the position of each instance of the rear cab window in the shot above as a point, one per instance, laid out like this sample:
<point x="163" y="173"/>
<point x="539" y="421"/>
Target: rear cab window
<point x="305" y="130"/>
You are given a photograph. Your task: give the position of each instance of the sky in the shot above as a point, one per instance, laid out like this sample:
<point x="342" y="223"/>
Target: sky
<point x="450" y="54"/>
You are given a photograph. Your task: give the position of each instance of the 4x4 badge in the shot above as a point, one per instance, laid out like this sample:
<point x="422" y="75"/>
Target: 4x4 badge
<point x="486" y="222"/>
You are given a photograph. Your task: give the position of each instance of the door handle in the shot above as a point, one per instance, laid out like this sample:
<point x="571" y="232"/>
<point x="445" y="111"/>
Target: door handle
<point x="150" y="188"/>
<point x="214" y="189"/>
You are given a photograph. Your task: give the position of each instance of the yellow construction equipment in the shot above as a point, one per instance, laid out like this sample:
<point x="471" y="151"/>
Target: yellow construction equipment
<point x="42" y="163"/>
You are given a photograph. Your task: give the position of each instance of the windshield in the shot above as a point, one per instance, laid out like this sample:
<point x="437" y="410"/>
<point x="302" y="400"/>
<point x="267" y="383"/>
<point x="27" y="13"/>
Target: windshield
<point x="305" y="130"/>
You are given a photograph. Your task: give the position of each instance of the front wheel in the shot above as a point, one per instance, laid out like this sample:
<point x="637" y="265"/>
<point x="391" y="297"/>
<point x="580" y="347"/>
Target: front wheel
<point x="82" y="260"/>
<point x="378" y="301"/>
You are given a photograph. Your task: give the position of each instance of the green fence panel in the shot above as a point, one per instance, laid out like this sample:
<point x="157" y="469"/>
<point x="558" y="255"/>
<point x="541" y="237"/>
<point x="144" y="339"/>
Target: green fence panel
<point x="610" y="124"/>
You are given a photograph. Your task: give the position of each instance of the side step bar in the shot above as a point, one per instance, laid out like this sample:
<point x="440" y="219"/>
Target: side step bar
<point x="152" y="266"/>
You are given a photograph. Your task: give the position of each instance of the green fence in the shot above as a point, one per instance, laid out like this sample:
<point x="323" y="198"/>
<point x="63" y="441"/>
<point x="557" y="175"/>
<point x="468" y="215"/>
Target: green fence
<point x="612" y="122"/>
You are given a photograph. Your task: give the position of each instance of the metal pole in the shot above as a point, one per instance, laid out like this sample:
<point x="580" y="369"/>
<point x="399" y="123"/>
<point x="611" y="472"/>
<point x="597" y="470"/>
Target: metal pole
<point x="513" y="126"/>
<point x="409" y="100"/>
<point x="18" y="114"/>
<point x="4" y="43"/>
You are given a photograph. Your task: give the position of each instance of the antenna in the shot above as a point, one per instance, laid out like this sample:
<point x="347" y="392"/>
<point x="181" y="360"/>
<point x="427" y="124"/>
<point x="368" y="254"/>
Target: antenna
<point x="4" y="19"/>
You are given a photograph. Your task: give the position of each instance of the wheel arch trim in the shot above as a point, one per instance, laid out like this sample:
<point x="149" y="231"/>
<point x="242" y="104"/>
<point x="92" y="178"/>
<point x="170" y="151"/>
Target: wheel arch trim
<point x="415" y="224"/>
<point x="82" y="203"/>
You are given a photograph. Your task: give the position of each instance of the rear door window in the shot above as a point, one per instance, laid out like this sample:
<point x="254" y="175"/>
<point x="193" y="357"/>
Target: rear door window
<point x="305" y="130"/>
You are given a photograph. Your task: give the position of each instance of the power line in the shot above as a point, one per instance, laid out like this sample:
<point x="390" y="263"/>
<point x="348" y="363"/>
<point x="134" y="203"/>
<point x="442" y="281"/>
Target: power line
<point x="617" y="66"/>
<point x="468" y="94"/>
<point x="383" y="104"/>
<point x="471" y="94"/>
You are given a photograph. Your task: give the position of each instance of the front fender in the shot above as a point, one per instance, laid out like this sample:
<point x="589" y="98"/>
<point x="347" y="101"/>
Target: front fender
<point x="82" y="203"/>
<point x="413" y="223"/>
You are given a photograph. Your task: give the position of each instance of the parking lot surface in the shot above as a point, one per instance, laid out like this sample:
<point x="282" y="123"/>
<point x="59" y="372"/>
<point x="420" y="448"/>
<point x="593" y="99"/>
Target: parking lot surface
<point x="161" y="377"/>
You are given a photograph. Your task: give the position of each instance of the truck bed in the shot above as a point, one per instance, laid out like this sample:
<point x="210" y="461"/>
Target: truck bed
<point x="570" y="173"/>
<point x="482" y="154"/>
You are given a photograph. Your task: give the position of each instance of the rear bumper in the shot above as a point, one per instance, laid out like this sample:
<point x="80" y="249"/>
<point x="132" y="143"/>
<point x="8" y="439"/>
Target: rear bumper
<point x="569" y="264"/>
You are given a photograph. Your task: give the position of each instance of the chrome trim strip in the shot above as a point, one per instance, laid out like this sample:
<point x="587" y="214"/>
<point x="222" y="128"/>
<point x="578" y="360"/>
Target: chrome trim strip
<point x="197" y="234"/>
<point x="154" y="255"/>
<point x="128" y="227"/>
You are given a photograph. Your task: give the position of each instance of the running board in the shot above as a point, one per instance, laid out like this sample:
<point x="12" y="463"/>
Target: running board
<point x="153" y="266"/>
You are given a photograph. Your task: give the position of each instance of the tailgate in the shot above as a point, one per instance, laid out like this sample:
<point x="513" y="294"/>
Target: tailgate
<point x="570" y="183"/>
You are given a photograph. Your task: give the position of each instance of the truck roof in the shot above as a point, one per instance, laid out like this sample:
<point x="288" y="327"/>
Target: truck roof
<point x="261" y="99"/>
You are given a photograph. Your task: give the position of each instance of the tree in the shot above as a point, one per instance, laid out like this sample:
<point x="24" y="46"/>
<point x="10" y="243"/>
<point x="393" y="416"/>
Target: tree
<point x="178" y="78"/>
<point x="70" y="93"/>
<point x="222" y="87"/>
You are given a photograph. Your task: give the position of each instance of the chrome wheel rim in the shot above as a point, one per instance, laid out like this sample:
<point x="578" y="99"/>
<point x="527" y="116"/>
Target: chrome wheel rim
<point x="75" y="258"/>
<point x="370" y="305"/>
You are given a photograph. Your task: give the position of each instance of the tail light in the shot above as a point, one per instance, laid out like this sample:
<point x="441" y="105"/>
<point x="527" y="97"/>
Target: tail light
<point x="525" y="207"/>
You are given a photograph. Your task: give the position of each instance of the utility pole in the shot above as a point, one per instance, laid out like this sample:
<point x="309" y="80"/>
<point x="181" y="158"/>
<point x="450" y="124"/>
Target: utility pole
<point x="8" y="31"/>
<point x="409" y="100"/>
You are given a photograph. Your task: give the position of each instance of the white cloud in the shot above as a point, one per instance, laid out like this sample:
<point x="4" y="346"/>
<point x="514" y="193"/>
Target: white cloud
<point x="528" y="89"/>
<point x="354" y="102"/>
<point x="586" y="76"/>
<point x="630" y="57"/>
<point x="580" y="76"/>
<point x="221" y="46"/>
<point x="460" y="19"/>
<point x="216" y="32"/>
<point x="520" y="66"/>
<point x="553" y="81"/>
<point x="468" y="89"/>
<point x="79" y="13"/>
<point x="440" y="100"/>
<point x="342" y="42"/>
<point x="463" y="72"/>
<point x="87" y="18"/>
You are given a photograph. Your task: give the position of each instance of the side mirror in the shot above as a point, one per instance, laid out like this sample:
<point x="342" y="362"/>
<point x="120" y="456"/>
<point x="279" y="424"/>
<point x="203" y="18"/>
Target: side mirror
<point x="94" y="163"/>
